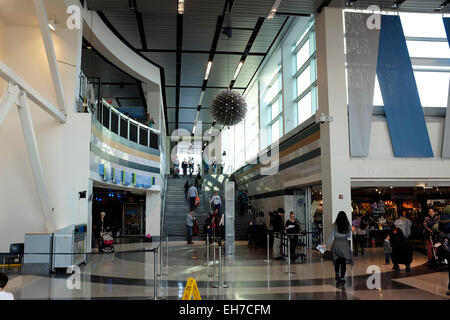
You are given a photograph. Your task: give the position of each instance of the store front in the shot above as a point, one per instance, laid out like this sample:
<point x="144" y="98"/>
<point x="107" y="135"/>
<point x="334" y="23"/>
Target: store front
<point x="382" y="206"/>
<point x="124" y="212"/>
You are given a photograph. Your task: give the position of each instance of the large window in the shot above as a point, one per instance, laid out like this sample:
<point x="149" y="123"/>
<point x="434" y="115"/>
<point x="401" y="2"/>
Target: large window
<point x="305" y="74"/>
<point x="430" y="57"/>
<point x="272" y="105"/>
<point x="252" y="125"/>
<point x="281" y="96"/>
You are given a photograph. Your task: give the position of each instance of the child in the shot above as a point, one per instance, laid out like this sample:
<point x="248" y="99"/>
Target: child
<point x="387" y="248"/>
<point x="3" y="294"/>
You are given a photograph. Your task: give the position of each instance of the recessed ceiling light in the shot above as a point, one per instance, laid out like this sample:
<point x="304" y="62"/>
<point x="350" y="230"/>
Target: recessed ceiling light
<point x="238" y="69"/>
<point x="208" y="68"/>
<point x="52" y="24"/>
<point x="180" y="6"/>
<point x="274" y="9"/>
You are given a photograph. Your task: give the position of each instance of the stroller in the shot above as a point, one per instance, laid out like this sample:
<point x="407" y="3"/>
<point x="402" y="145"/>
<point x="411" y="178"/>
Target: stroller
<point x="106" y="241"/>
<point x="438" y="245"/>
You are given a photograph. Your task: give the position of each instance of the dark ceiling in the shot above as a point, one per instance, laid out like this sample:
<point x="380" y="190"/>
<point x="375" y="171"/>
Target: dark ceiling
<point x="182" y="44"/>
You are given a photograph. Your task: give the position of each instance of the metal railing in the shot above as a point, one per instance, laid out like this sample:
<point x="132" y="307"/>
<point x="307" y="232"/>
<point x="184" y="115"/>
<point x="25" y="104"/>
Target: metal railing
<point x="124" y="126"/>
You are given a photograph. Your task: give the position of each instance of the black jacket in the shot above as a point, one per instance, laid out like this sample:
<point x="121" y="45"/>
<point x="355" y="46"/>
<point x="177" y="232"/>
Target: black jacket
<point x="402" y="252"/>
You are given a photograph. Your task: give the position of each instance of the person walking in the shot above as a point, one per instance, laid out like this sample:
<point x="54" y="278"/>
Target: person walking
<point x="428" y="224"/>
<point x="192" y="193"/>
<point x="184" y="166"/>
<point x="341" y="236"/>
<point x="191" y="166"/>
<point x="198" y="182"/>
<point x="214" y="166"/>
<point x="186" y="188"/>
<point x="243" y="202"/>
<point x="190" y="225"/>
<point x="215" y="201"/>
<point x="402" y="252"/>
<point x="387" y="248"/>
<point x="278" y="230"/>
<point x="208" y="225"/>
<point x="292" y="226"/>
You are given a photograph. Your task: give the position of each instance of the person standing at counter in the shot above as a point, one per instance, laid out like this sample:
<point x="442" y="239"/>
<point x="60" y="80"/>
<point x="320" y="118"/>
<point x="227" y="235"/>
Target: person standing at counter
<point x="341" y="236"/>
<point x="277" y="223"/>
<point x="292" y="226"/>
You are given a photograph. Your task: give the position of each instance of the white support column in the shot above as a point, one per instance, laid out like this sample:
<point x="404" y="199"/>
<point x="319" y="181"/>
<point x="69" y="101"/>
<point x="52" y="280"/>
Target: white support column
<point x="50" y="51"/>
<point x="332" y="98"/>
<point x="35" y="160"/>
<point x="9" y="98"/>
<point x="153" y="214"/>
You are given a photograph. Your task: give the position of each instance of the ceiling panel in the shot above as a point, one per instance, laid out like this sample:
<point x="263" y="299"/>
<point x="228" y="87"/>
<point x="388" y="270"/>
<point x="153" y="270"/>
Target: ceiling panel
<point x="199" y="23"/>
<point x="187" y="115"/>
<point x="94" y="66"/>
<point x="223" y="70"/>
<point x="171" y="114"/>
<point x="158" y="6"/>
<point x="193" y="68"/>
<point x="208" y="97"/>
<point x="297" y="7"/>
<point x="189" y="97"/>
<point x="267" y="34"/>
<point x="187" y="126"/>
<point x="168" y="62"/>
<point x="108" y="5"/>
<point x="171" y="127"/>
<point x="160" y="30"/>
<point x="205" y="116"/>
<point x="124" y="21"/>
<point x="253" y="8"/>
<point x="237" y="42"/>
<point x="248" y="70"/>
<point x="170" y="96"/>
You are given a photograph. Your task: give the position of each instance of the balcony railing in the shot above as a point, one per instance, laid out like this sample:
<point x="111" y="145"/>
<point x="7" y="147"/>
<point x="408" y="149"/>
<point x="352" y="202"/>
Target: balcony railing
<point x="124" y="126"/>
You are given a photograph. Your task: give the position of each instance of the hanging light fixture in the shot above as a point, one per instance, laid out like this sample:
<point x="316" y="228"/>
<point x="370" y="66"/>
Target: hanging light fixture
<point x="228" y="106"/>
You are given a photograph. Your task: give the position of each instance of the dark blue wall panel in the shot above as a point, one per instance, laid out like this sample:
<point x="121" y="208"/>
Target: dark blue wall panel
<point x="404" y="114"/>
<point x="447" y="28"/>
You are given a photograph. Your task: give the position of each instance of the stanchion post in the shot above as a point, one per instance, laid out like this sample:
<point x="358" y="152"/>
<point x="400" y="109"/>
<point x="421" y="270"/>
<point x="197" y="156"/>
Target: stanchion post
<point x="289" y="255"/>
<point x="268" y="245"/>
<point x="155" y="295"/>
<point x="207" y="252"/>
<point x="220" y="266"/>
<point x="214" y="267"/>
<point x="167" y="258"/>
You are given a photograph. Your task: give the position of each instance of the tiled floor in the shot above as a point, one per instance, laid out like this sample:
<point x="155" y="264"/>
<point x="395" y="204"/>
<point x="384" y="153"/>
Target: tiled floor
<point x="128" y="274"/>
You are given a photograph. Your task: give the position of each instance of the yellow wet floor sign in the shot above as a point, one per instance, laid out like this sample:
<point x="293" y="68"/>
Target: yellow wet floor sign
<point x="191" y="289"/>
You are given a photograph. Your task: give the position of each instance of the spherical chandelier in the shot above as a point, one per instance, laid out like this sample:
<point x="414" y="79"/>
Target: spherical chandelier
<point x="228" y="108"/>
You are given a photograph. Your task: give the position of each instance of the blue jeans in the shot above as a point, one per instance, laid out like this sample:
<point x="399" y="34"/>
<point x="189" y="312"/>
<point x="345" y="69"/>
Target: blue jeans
<point x="216" y="206"/>
<point x="189" y="235"/>
<point x="388" y="257"/>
